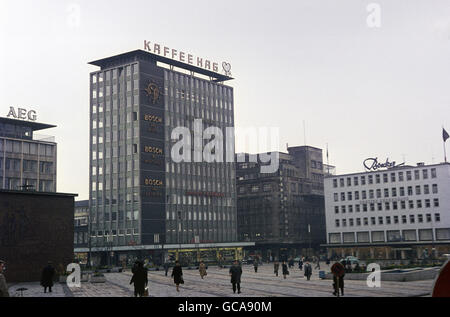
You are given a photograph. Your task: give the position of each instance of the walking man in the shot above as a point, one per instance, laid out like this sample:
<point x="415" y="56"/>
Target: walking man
<point x="308" y="270"/>
<point x="48" y="273"/>
<point x="3" y="286"/>
<point x="317" y="263"/>
<point x="235" y="274"/>
<point x="338" y="271"/>
<point x="284" y="267"/>
<point x="140" y="279"/>
<point x="202" y="269"/>
<point x="255" y="264"/>
<point x="276" y="266"/>
<point x="166" y="267"/>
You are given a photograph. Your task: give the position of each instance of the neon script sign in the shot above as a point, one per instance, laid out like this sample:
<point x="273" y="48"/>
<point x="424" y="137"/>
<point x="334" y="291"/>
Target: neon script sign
<point x="372" y="164"/>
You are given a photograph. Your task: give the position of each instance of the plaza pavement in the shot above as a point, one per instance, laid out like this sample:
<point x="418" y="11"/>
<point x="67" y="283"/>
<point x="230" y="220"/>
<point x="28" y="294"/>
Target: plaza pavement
<point x="217" y="283"/>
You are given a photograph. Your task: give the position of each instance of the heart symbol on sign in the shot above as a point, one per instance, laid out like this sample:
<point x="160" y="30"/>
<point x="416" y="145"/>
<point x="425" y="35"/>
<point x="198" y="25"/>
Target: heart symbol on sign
<point x="226" y="66"/>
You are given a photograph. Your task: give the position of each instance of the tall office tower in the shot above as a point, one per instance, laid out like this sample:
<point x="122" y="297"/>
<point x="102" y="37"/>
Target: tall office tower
<point x="140" y="199"/>
<point x="27" y="160"/>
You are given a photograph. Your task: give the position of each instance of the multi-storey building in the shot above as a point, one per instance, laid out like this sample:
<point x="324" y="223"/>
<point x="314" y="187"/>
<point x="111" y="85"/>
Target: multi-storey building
<point x="81" y="221"/>
<point x="27" y="160"/>
<point x="282" y="212"/>
<point x="397" y="213"/>
<point x="142" y="201"/>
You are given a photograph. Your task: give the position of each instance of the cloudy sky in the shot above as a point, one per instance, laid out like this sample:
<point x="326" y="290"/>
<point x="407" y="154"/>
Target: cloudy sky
<point x="368" y="78"/>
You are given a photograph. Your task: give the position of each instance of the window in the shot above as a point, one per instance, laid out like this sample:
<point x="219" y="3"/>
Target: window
<point x="373" y="221"/>
<point x="342" y="196"/>
<point x="418" y="190"/>
<point x="372" y="207"/>
<point x="437" y="217"/>
<point x="366" y="221"/>
<point x="370" y="179"/>
<point x="336" y="209"/>
<point x="410" y="191"/>
<point x="402" y="191"/>
<point x="433" y="173"/>
<point x="388" y="220"/>
<point x="386" y="192"/>
<point x="434" y="188"/>
<point x="416" y="174"/>
<point x="400" y="176"/>
<point x="355" y="181"/>
<point x="377" y="178"/>
<point x="371" y="194"/>
<point x="411" y="204"/>
<point x="337" y="223"/>
<point x="425" y="174"/>
<point x="428" y="216"/>
<point x="357" y="207"/>
<point x="349" y="195"/>
<point x="363" y="180"/>
<point x="380" y="220"/>
<point x="412" y="218"/>
<point x="420" y="218"/>
<point x="395" y="219"/>
<point x="364" y="194"/>
<point x="385" y="178"/>
<point x="349" y="181"/>
<point x="419" y="203"/>
<point x="341" y="182"/>
<point x="344" y="222"/>
<point x="387" y="205"/>
<point x="356" y="195"/>
<point x="408" y="175"/>
<point x="336" y="197"/>
<point x="334" y="183"/>
<point x="378" y="193"/>
<point x="343" y="209"/>
<point x="436" y="202"/>
<point x="358" y="221"/>
<point x="392" y="177"/>
<point x="394" y="192"/>
<point x="351" y="222"/>
<point x="426" y="189"/>
<point x="427" y="203"/>
<point x="404" y="219"/>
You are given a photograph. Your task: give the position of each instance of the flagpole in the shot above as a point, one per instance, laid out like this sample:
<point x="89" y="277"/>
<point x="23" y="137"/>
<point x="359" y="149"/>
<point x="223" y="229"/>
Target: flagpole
<point x="445" y="154"/>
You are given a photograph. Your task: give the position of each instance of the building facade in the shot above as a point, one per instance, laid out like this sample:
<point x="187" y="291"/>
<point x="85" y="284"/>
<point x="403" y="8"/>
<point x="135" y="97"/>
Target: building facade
<point x="141" y="201"/>
<point x="397" y="213"/>
<point x="283" y="212"/>
<point x="27" y="160"/>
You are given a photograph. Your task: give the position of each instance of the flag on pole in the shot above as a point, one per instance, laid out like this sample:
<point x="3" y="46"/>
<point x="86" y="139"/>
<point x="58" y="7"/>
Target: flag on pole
<point x="445" y="135"/>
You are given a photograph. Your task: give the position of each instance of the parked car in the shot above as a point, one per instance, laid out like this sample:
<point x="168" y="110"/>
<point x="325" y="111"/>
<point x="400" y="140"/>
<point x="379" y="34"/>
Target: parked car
<point x="353" y="260"/>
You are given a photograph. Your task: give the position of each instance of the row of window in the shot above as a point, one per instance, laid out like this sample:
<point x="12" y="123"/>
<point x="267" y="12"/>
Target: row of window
<point x="387" y="220"/>
<point x="31" y="148"/>
<point x="371" y="194"/>
<point x="13" y="183"/>
<point x="380" y="206"/>
<point x="392" y="177"/>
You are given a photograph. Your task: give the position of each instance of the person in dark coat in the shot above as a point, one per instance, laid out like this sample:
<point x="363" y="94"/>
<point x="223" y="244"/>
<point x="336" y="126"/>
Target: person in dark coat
<point x="235" y="274"/>
<point x="139" y="279"/>
<point x="308" y="270"/>
<point x="276" y="266"/>
<point x="177" y="274"/>
<point x="285" y="269"/>
<point x="300" y="264"/>
<point x="48" y="273"/>
<point x="255" y="264"/>
<point x="166" y="267"/>
<point x="3" y="286"/>
<point x="338" y="271"/>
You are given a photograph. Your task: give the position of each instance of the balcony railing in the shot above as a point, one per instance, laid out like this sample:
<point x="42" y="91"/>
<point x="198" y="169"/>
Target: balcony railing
<point x="43" y="138"/>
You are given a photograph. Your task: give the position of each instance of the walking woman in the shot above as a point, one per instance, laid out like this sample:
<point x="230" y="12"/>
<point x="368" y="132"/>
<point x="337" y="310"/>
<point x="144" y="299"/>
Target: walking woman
<point x="177" y="274"/>
<point x="202" y="269"/>
<point x="285" y="269"/>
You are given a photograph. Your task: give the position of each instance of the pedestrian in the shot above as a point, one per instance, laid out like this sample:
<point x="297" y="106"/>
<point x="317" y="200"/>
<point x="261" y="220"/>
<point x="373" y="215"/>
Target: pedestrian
<point x="166" y="267"/>
<point x="276" y="267"/>
<point x="255" y="264"/>
<point x="317" y="263"/>
<point x="3" y="286"/>
<point x="300" y="264"/>
<point x="48" y="273"/>
<point x="235" y="274"/>
<point x="328" y="261"/>
<point x="177" y="274"/>
<point x="202" y="269"/>
<point x="308" y="270"/>
<point x="338" y="271"/>
<point x="139" y="279"/>
<point x="285" y="269"/>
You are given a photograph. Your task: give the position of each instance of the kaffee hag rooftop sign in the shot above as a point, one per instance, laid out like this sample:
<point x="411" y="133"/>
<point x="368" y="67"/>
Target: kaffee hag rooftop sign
<point x="181" y="56"/>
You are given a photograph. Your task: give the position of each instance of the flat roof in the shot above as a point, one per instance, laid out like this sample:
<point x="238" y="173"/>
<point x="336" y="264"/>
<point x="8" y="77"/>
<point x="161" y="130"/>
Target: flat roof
<point x="31" y="124"/>
<point x="32" y="192"/>
<point x="141" y="54"/>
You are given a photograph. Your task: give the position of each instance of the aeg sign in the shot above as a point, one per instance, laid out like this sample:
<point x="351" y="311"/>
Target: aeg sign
<point x="22" y="114"/>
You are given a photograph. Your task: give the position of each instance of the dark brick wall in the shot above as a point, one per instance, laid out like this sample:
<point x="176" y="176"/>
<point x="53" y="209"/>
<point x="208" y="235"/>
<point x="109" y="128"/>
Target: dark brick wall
<point x="35" y="229"/>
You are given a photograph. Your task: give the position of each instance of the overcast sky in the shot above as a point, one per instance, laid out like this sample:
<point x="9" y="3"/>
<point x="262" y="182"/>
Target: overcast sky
<point x="367" y="91"/>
